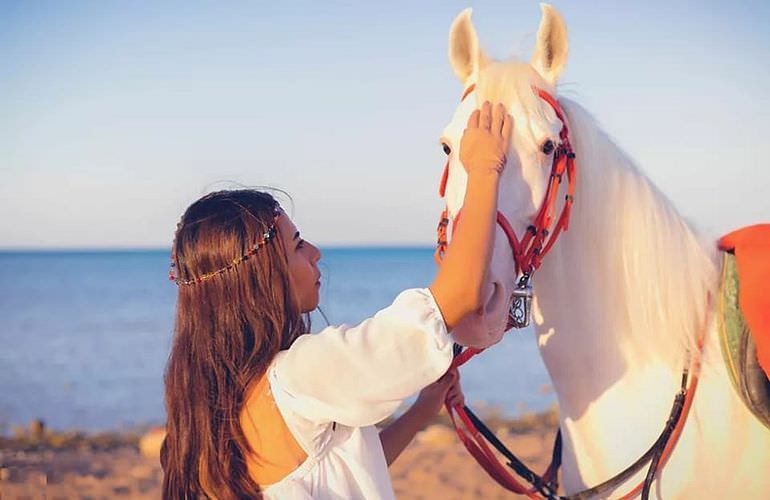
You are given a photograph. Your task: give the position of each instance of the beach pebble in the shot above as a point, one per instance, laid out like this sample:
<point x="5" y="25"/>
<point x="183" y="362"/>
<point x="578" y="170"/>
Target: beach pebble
<point x="121" y="490"/>
<point x="150" y="443"/>
<point x="100" y="473"/>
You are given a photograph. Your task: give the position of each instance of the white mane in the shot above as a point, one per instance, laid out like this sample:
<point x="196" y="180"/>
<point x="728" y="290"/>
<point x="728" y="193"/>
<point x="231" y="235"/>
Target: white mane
<point x="647" y="272"/>
<point x="643" y="267"/>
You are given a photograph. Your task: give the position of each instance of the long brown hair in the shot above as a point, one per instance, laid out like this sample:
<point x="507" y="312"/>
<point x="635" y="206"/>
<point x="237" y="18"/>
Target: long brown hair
<point x="228" y="328"/>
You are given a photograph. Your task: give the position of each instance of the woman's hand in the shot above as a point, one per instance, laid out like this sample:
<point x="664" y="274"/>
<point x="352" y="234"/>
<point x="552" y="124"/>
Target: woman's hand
<point x="485" y="141"/>
<point x="447" y="388"/>
<point x="399" y="433"/>
<point x="461" y="286"/>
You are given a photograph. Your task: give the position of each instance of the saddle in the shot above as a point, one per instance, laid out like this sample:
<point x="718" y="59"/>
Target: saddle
<point x="744" y="315"/>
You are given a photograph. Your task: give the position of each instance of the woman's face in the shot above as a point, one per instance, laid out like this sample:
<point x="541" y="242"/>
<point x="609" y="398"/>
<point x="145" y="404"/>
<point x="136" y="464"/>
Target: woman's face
<point x="303" y="264"/>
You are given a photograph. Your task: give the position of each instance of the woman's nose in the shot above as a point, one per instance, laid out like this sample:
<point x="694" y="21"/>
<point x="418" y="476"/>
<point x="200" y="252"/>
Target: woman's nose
<point x="317" y="255"/>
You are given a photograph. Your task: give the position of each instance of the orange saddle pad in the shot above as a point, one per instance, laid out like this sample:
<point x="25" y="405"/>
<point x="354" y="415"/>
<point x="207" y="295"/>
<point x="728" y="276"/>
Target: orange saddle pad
<point x="751" y="246"/>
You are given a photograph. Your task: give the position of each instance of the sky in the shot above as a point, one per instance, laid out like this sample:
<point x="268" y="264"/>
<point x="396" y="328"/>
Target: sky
<point x="115" y="116"/>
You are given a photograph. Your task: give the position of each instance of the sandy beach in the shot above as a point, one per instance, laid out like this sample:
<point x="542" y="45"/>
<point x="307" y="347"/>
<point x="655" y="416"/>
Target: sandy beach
<point x="435" y="465"/>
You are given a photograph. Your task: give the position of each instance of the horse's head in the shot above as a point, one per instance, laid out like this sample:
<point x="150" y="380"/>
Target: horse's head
<point x="536" y="129"/>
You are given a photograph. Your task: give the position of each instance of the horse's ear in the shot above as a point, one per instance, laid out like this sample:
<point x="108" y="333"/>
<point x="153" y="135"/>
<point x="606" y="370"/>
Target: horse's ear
<point x="551" y="50"/>
<point x="464" y="46"/>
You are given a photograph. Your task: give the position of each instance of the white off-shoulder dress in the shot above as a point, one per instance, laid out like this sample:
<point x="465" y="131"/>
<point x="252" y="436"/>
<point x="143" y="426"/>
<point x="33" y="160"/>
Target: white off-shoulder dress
<point x="333" y="386"/>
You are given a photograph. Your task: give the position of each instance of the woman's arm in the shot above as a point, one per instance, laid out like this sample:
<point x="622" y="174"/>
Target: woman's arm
<point x="359" y="375"/>
<point x="396" y="436"/>
<point x="459" y="284"/>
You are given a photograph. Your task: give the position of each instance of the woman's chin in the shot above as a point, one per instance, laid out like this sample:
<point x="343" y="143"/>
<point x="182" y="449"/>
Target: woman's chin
<point x="312" y="304"/>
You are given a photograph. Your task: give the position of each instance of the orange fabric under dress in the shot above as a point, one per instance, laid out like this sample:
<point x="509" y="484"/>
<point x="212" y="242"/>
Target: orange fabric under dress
<point x="277" y="452"/>
<point x="751" y="246"/>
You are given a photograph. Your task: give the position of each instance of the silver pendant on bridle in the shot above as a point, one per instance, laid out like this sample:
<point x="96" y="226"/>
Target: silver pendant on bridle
<point x="521" y="302"/>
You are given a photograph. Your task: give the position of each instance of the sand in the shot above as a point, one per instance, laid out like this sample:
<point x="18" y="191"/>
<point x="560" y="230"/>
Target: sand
<point x="435" y="465"/>
<point x="79" y="474"/>
<point x="440" y="468"/>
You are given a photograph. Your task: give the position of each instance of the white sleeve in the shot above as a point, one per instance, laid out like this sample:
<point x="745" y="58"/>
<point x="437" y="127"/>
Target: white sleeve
<point x="359" y="375"/>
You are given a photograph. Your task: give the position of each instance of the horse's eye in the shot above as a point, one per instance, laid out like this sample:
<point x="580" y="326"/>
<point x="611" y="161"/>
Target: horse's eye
<point x="446" y="148"/>
<point x="547" y="147"/>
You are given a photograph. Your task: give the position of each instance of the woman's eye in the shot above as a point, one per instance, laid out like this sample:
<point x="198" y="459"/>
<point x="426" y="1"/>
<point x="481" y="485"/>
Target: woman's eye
<point x="446" y="148"/>
<point x="300" y="244"/>
<point x="547" y="147"/>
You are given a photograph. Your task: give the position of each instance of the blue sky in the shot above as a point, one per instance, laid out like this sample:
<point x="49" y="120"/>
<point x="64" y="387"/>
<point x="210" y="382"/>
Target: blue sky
<point x="114" y="116"/>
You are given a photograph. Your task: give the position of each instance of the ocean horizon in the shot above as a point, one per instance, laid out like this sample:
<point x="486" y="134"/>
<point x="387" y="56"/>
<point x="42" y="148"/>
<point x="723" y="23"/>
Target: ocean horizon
<point x="86" y="332"/>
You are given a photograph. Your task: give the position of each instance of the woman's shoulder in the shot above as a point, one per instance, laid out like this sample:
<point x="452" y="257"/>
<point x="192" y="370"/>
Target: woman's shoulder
<point x="269" y="436"/>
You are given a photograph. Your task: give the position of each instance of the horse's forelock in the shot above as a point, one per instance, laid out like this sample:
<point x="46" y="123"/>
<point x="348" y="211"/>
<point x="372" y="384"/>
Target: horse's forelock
<point x="513" y="83"/>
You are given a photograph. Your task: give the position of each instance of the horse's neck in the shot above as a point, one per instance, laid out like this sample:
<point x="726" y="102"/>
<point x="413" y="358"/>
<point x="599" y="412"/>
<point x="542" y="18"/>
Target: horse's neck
<point x="612" y="406"/>
<point x="616" y="312"/>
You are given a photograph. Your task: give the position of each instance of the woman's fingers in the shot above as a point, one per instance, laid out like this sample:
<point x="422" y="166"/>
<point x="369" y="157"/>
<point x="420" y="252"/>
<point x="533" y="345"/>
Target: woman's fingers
<point x="493" y="118"/>
<point x="485" y="119"/>
<point x="498" y="114"/>
<point x="506" y="132"/>
<point x="473" y="120"/>
<point x="455" y="397"/>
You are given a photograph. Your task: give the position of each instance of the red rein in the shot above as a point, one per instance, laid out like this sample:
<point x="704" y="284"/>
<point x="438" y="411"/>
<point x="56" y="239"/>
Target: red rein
<point x="528" y="253"/>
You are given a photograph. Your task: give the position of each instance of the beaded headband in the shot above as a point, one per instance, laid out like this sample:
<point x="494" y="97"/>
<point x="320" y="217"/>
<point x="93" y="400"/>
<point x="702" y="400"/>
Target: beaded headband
<point x="267" y="236"/>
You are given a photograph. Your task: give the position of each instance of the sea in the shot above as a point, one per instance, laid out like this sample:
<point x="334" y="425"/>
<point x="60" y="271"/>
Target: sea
<point x="85" y="335"/>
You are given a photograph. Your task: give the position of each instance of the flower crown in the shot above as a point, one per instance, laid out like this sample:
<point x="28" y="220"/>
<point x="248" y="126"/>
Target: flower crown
<point x="267" y="236"/>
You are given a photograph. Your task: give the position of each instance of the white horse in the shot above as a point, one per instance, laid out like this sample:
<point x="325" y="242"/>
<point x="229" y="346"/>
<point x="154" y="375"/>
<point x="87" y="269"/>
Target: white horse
<point x="619" y="300"/>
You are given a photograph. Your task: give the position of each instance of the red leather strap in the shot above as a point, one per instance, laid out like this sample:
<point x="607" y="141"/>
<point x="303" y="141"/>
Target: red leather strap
<point x="444" y="178"/>
<point x="464" y="356"/>
<point x="477" y="446"/>
<point x="467" y="91"/>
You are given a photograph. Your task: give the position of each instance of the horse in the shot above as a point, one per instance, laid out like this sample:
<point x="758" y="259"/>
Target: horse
<point x="622" y="300"/>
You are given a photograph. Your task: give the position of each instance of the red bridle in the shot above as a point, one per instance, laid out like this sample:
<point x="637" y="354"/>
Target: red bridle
<point x="529" y="251"/>
<point x="528" y="254"/>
